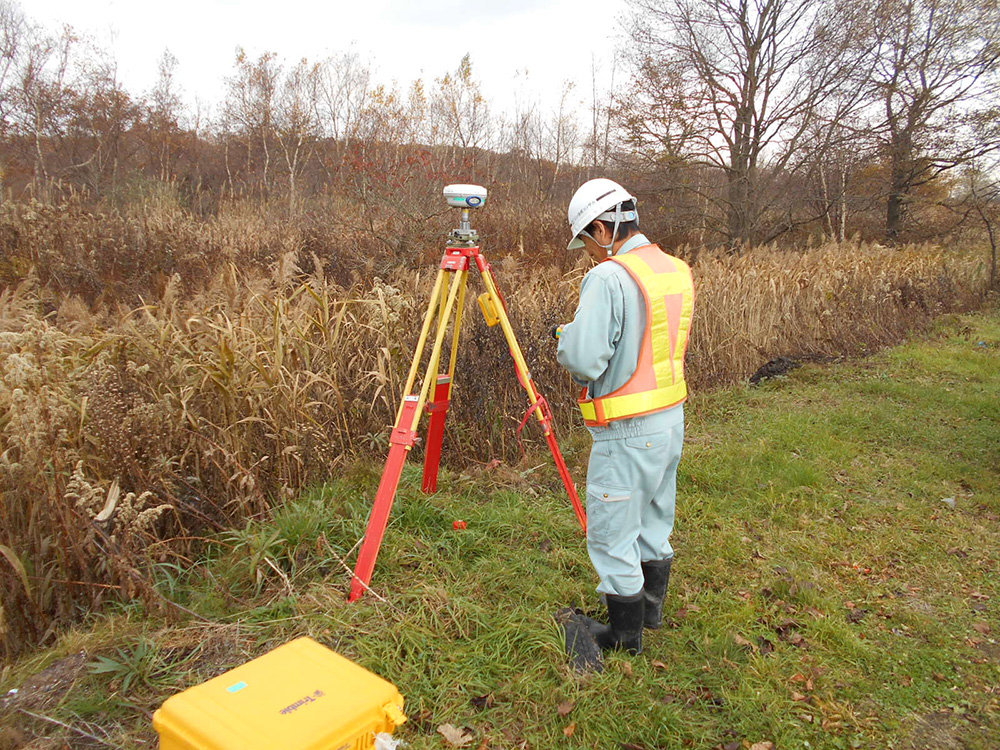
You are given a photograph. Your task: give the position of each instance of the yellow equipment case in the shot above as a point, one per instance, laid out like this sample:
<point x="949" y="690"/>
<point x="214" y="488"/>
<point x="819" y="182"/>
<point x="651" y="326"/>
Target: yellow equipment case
<point x="300" y="696"/>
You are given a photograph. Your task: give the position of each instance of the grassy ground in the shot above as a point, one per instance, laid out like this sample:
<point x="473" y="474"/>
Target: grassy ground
<point x="836" y="585"/>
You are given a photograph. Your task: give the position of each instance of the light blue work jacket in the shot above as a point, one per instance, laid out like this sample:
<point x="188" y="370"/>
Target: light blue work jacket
<point x="600" y="348"/>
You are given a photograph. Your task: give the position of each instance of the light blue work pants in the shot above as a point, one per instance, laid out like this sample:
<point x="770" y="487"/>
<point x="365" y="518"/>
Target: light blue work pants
<point x="631" y="490"/>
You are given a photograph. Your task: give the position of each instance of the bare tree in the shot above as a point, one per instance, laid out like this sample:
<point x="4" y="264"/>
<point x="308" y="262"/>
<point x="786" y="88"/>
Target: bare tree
<point x="249" y="110"/>
<point x="14" y="33"/>
<point x="979" y="199"/>
<point x="602" y="105"/>
<point x="61" y="95"/>
<point x="563" y="134"/>
<point x="97" y="145"/>
<point x="738" y="82"/>
<point x="298" y="120"/>
<point x="935" y="80"/>
<point x="164" y="111"/>
<point x="462" y="109"/>
<point x="420" y="126"/>
<point x="343" y="90"/>
<point x="44" y="94"/>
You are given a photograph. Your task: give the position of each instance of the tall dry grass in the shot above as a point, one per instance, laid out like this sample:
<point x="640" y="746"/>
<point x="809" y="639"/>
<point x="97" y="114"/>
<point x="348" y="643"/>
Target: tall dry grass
<point x="129" y="430"/>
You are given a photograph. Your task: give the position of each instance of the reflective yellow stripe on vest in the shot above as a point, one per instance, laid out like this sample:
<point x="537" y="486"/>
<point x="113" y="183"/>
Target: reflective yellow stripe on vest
<point x="658" y="382"/>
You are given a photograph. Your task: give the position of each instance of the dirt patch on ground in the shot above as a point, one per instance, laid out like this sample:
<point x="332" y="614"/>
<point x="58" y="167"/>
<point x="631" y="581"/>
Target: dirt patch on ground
<point x="35" y="695"/>
<point x="990" y="650"/>
<point x="48" y="686"/>
<point x="938" y="731"/>
<point x="944" y="730"/>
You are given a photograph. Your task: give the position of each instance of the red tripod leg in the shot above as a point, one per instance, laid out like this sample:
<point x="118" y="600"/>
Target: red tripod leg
<point x="401" y="441"/>
<point x="581" y="514"/>
<point x="438" y="410"/>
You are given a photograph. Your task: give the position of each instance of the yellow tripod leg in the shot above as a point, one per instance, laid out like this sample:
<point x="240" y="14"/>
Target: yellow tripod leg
<point x="456" y="284"/>
<point x="404" y="435"/>
<point x="438" y="407"/>
<point x="523" y="374"/>
<point x="536" y="402"/>
<point x="432" y="308"/>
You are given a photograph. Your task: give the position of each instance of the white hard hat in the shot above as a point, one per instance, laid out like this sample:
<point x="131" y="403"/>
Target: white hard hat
<point x="598" y="199"/>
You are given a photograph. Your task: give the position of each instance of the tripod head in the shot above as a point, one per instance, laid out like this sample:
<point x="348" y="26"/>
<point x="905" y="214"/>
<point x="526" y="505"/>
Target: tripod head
<point x="465" y="197"/>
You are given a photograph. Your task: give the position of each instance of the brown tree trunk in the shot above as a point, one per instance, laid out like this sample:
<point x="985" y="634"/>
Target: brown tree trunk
<point x="894" y="214"/>
<point x="740" y="211"/>
<point x="900" y="177"/>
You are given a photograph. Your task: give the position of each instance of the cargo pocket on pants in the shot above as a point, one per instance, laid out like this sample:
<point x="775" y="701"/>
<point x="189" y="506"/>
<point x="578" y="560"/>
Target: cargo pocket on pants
<point x="607" y="512"/>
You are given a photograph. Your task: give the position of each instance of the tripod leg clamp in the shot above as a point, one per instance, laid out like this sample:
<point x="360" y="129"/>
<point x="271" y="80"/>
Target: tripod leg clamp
<point x="403" y="436"/>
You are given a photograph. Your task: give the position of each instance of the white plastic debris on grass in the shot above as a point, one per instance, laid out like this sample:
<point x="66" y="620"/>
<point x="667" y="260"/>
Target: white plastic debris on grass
<point x="384" y="741"/>
<point x="949" y="501"/>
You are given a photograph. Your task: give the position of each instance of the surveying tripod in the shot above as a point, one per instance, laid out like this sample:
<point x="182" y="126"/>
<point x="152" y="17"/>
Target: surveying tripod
<point x="447" y="300"/>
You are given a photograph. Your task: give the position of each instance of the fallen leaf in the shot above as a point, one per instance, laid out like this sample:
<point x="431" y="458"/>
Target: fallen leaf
<point x="732" y="745"/>
<point x="856" y="615"/>
<point x="482" y="701"/>
<point x="766" y="646"/>
<point x="569" y="730"/>
<point x="657" y="664"/>
<point x="424" y="721"/>
<point x="743" y="642"/>
<point x="455" y="736"/>
<point x="627" y="668"/>
<point x="565" y="707"/>
<point x="799" y="696"/>
<point x="786" y="626"/>
<point x="982" y="627"/>
<point x="767" y="745"/>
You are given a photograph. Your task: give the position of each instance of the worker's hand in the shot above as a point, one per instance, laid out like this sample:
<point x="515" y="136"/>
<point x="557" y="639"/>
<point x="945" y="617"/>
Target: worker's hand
<point x="556" y="331"/>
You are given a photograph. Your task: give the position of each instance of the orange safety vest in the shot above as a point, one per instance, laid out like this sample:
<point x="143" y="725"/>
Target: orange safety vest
<point x="658" y="380"/>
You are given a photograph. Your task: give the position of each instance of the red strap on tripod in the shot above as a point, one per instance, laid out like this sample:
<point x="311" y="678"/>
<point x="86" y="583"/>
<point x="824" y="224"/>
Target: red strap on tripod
<point x="542" y="405"/>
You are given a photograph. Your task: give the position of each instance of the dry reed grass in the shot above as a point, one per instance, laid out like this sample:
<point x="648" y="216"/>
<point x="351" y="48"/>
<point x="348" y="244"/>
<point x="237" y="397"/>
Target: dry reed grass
<point x="130" y="430"/>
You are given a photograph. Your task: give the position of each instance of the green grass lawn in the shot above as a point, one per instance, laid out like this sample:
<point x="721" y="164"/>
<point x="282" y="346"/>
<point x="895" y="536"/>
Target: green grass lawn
<point x="836" y="585"/>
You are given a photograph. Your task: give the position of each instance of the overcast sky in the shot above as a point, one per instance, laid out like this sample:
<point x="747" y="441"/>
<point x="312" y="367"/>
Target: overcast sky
<point x="526" y="48"/>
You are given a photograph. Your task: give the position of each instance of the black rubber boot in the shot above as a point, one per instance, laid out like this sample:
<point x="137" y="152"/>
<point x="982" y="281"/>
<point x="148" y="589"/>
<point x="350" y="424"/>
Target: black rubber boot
<point x="585" y="654"/>
<point x="624" y="631"/>
<point x="656" y="576"/>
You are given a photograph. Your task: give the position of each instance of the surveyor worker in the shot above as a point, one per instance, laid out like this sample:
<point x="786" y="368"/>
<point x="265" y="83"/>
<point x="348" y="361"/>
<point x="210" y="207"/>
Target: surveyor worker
<point x="626" y="346"/>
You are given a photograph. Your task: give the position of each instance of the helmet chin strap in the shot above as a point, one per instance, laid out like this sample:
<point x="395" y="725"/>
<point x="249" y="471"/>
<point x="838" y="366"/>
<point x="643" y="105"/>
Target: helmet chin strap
<point x="610" y="246"/>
